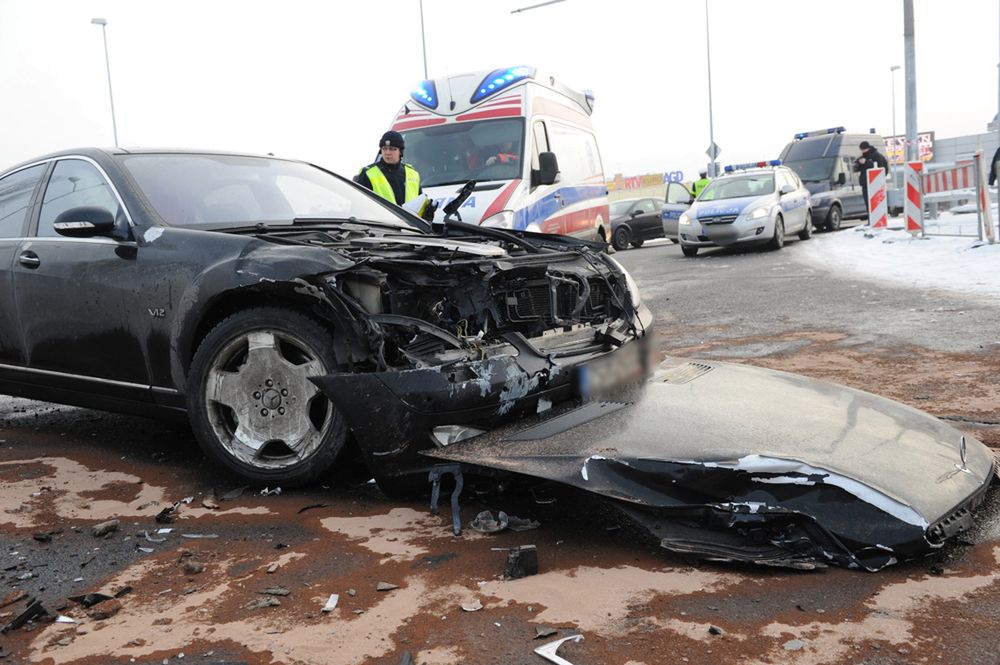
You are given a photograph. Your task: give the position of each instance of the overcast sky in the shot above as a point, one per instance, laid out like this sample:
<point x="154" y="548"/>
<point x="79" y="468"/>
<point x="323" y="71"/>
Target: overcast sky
<point x="322" y="80"/>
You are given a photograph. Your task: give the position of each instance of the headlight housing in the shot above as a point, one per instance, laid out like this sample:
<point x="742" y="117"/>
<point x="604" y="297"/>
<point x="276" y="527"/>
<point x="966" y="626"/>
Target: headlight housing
<point x="633" y="288"/>
<point x="758" y="213"/>
<point x="502" y="220"/>
<point x="684" y="219"/>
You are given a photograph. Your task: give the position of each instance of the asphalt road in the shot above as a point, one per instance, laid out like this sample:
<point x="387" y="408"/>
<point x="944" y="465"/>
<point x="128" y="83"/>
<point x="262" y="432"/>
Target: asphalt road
<point x="63" y="470"/>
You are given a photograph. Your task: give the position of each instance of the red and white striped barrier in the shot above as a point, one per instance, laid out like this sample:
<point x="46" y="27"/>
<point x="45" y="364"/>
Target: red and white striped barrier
<point x="878" y="207"/>
<point x="913" y="204"/>
<point x="961" y="176"/>
<point x="983" y="199"/>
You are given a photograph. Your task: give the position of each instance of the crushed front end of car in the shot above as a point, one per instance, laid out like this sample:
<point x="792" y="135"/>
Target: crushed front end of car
<point x="452" y="337"/>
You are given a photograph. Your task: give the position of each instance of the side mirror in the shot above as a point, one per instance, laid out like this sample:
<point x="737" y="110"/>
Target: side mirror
<point x="635" y="213"/>
<point x="85" y="222"/>
<point x="841" y="178"/>
<point x="690" y="200"/>
<point x="548" y="168"/>
<point x="786" y="189"/>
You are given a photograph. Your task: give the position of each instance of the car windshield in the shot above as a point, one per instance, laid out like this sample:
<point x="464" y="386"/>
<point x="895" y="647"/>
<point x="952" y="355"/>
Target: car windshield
<point x="457" y="152"/>
<point x="813" y="170"/>
<point x="620" y="207"/>
<point x="739" y="186"/>
<point x="228" y="190"/>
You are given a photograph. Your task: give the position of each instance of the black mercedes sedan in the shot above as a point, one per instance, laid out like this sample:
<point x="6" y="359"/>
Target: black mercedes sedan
<point x="285" y="311"/>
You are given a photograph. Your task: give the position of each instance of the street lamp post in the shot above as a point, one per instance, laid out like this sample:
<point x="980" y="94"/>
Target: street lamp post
<point x="107" y="63"/>
<point x="712" y="150"/>
<point x="423" y="39"/>
<point x="892" y="73"/>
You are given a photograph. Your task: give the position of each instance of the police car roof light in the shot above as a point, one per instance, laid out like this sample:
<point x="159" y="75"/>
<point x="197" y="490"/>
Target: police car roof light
<point x="751" y="165"/>
<point x="820" y="132"/>
<point x="500" y="79"/>
<point x="425" y="94"/>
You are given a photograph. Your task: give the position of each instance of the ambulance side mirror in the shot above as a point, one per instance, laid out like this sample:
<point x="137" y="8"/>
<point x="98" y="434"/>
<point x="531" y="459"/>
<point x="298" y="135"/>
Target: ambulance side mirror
<point x="548" y="168"/>
<point x="841" y="178"/>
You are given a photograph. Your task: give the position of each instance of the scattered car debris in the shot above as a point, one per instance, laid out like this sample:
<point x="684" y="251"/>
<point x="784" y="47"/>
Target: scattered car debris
<point x="90" y="599"/>
<point x="521" y="562"/>
<point x="144" y="550"/>
<point x="42" y="537"/>
<point x="210" y="503"/>
<point x="168" y="514"/>
<point x="199" y="535"/>
<point x="331" y="603"/>
<point x="794" y="645"/>
<point x="386" y="586"/>
<point x="275" y="591"/>
<point x="351" y="592"/>
<point x="33" y="610"/>
<point x="62" y="618"/>
<point x="714" y="630"/>
<point x="273" y="568"/>
<point x="266" y="601"/>
<point x="104" y="528"/>
<point x="544" y="631"/>
<point x="548" y="651"/>
<point x="235" y="493"/>
<point x="434" y="476"/>
<point x="270" y="492"/>
<point x="311" y="506"/>
<point x="104" y="609"/>
<point x="407" y="659"/>
<point x="146" y="536"/>
<point x="486" y="523"/>
<point x="473" y="606"/>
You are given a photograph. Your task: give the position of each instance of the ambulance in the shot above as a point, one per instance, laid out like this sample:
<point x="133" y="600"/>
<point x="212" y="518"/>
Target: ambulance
<point x="527" y="141"/>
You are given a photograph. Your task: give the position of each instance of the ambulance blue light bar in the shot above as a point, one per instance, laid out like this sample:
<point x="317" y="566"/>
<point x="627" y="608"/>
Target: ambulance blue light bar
<point x="500" y="79"/>
<point x="425" y="94"/>
<point x="751" y="165"/>
<point x="820" y="132"/>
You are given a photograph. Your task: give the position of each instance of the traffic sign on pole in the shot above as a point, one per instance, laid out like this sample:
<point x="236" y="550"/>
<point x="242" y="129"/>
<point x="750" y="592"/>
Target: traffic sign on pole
<point x="713" y="151"/>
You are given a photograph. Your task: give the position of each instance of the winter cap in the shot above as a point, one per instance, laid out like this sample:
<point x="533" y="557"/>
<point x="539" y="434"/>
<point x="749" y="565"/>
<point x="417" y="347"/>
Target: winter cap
<point x="864" y="145"/>
<point x="394" y="139"/>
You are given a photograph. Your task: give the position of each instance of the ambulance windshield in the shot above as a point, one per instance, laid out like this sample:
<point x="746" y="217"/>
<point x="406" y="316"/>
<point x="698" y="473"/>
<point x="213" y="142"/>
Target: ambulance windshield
<point x="456" y="152"/>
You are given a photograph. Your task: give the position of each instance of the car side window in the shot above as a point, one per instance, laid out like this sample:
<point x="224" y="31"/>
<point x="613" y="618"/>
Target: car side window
<point x="74" y="183"/>
<point x="15" y="196"/>
<point x="541" y="143"/>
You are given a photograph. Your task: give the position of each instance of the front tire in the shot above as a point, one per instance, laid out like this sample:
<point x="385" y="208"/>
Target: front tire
<point x="689" y="251"/>
<point x="778" y="239"/>
<point x="637" y="243"/>
<point x="807" y="230"/>
<point x="252" y="406"/>
<point x="620" y="238"/>
<point x="834" y="218"/>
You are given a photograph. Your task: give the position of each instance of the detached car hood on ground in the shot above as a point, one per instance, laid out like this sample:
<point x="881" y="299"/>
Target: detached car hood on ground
<point x="738" y="463"/>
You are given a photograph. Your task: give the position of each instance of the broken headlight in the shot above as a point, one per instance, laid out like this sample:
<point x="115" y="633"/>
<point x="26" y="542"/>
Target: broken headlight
<point x="633" y="288"/>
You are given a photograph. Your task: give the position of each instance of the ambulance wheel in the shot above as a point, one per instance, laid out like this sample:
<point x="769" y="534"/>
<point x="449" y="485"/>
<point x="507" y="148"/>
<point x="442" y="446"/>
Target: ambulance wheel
<point x="807" y="230"/>
<point x="689" y="252"/>
<point x="778" y="239"/>
<point x="833" y="218"/>
<point x="620" y="238"/>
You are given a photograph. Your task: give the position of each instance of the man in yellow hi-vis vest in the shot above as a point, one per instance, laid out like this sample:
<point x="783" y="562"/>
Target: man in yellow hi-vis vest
<point x="390" y="177"/>
<point x="700" y="184"/>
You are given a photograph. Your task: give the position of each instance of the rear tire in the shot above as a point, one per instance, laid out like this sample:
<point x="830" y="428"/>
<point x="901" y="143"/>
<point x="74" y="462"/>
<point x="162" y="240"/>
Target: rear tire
<point x="689" y="251"/>
<point x="621" y="237"/>
<point x="807" y="230"/>
<point x="251" y="404"/>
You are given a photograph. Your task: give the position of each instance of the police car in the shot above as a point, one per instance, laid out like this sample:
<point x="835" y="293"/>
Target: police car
<point x="754" y="203"/>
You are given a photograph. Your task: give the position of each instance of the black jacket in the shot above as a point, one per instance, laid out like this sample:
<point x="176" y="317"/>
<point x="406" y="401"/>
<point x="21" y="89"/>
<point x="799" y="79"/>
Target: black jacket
<point x="993" y="166"/>
<point x="870" y="159"/>
<point x="394" y="173"/>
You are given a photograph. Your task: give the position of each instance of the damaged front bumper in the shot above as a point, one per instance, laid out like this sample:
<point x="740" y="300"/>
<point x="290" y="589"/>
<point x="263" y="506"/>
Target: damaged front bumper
<point x="736" y="463"/>
<point x="393" y="415"/>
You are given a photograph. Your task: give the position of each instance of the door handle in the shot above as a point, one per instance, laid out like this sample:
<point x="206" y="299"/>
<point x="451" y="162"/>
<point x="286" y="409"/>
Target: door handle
<point x="29" y="260"/>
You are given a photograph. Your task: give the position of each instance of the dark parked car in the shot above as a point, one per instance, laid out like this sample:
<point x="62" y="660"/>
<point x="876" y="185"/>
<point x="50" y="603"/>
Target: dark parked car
<point x="634" y="221"/>
<point x="286" y="311"/>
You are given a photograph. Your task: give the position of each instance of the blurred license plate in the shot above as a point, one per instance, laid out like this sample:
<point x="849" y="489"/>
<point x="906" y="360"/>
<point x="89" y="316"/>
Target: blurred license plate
<point x="602" y="376"/>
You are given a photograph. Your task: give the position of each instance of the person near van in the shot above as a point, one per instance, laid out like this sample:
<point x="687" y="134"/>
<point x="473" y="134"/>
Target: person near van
<point x="870" y="158"/>
<point x="505" y="155"/>
<point x="389" y="176"/>
<point x="993" y="167"/>
<point x="700" y="184"/>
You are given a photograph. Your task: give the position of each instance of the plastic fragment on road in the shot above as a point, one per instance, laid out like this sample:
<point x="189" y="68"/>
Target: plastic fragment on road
<point x="270" y="492"/>
<point x="548" y="651"/>
<point x="199" y="535"/>
<point x="331" y="602"/>
<point x="521" y="562"/>
<point x="544" y="631"/>
<point x="34" y="609"/>
<point x="486" y="523"/>
<point x="386" y="586"/>
<point x="473" y="606"/>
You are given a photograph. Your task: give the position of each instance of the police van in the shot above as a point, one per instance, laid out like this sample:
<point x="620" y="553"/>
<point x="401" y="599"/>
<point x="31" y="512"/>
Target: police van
<point x="527" y="141"/>
<point x="824" y="160"/>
